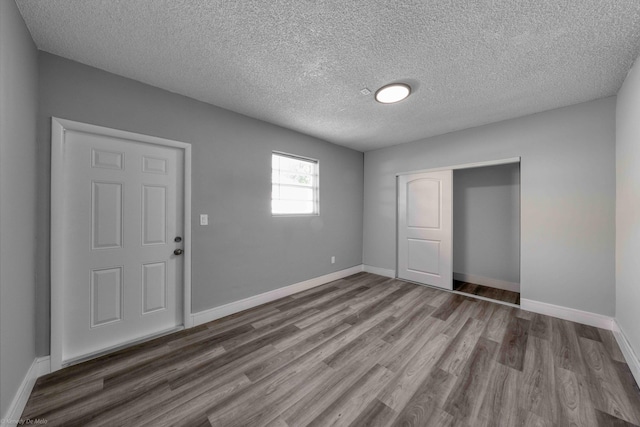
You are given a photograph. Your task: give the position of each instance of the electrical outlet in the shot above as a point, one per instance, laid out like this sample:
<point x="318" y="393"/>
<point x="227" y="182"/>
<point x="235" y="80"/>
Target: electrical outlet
<point x="333" y="260"/>
<point x="204" y="219"/>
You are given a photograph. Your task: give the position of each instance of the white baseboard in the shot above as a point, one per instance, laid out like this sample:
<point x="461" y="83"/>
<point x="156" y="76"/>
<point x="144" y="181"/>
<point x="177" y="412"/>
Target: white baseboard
<point x="566" y="313"/>
<point x="629" y="355"/>
<point x="256" y="300"/>
<point x="39" y="367"/>
<point x="485" y="281"/>
<point x="380" y="271"/>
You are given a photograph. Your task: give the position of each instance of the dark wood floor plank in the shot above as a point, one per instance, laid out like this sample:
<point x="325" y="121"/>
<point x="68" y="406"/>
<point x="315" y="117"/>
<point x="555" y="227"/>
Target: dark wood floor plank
<point x="365" y="342"/>
<point x="189" y="406"/>
<point x="308" y="299"/>
<point x="524" y="314"/>
<point x="292" y="315"/>
<point x="483" y="310"/>
<point x="448" y="307"/>
<point x="628" y="383"/>
<point x="44" y="402"/>
<point x="325" y="393"/>
<point x="374" y="308"/>
<point x="514" y="344"/>
<point x="363" y="350"/>
<point x="406" y="381"/>
<point x="218" y="372"/>
<point x="423" y="412"/>
<point x="405" y="349"/>
<point x="464" y="402"/>
<point x="607" y="420"/>
<point x="276" y="422"/>
<point x="487" y="292"/>
<point x="537" y="393"/>
<point x="75" y="412"/>
<point x="459" y="318"/>
<point x="121" y="413"/>
<point x="467" y="288"/>
<point x="272" y="364"/>
<point x="346" y="408"/>
<point x="497" y="325"/>
<point x="610" y="343"/>
<point x="315" y="328"/>
<point x="408" y="323"/>
<point x="197" y="371"/>
<point x="376" y="414"/>
<point x="340" y="299"/>
<point x="574" y="404"/>
<point x="236" y="408"/>
<point x="605" y="389"/>
<point x="456" y="355"/>
<point x="262" y="408"/>
<point x="424" y="407"/>
<point x="540" y="327"/>
<point x="586" y="331"/>
<point x="566" y="349"/>
<point x="500" y="404"/>
<point x="528" y="419"/>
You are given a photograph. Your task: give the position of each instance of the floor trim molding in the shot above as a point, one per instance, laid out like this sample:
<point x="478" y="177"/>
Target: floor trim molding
<point x="256" y="300"/>
<point x="486" y="281"/>
<point x="40" y="366"/>
<point x="379" y="271"/>
<point x="629" y="355"/>
<point x="566" y="313"/>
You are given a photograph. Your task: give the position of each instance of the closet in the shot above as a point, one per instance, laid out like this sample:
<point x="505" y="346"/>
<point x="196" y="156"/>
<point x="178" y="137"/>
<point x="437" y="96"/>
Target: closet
<point x="459" y="229"/>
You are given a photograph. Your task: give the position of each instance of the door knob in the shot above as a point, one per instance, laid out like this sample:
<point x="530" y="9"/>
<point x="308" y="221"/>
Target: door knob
<point x="178" y="252"/>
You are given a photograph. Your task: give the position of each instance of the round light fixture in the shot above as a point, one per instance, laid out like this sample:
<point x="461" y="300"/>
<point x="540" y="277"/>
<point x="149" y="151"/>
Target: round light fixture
<point x="392" y="93"/>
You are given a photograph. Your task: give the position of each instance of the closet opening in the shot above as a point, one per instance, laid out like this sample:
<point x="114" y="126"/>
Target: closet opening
<point x="486" y="232"/>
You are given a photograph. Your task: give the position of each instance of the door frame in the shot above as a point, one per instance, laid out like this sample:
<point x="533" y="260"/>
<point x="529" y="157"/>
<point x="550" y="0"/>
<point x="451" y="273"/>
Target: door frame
<point x="58" y="205"/>
<point x="472" y="165"/>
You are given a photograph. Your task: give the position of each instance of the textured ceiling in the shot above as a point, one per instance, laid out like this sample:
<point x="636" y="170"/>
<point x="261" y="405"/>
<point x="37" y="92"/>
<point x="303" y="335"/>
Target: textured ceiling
<point x="301" y="64"/>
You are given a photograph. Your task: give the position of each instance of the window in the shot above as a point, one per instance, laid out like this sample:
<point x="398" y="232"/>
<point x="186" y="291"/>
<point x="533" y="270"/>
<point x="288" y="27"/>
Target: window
<point x="294" y="185"/>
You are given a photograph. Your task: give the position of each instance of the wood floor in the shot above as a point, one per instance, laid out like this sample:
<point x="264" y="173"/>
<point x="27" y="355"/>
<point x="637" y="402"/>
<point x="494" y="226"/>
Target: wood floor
<point x="361" y="351"/>
<point x="487" y="292"/>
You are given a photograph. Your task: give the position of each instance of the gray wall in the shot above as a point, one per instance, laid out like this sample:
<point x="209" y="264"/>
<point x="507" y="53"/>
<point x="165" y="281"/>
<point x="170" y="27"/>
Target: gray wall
<point x="567" y="197"/>
<point x="244" y="251"/>
<point x="628" y="208"/>
<point x="18" y="108"/>
<point x="486" y="222"/>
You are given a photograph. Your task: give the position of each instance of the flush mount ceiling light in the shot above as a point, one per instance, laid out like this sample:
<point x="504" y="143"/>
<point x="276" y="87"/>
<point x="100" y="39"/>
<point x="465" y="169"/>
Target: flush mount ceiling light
<point x="393" y="93"/>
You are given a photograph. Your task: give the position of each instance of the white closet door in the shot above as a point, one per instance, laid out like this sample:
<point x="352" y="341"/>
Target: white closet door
<point x="425" y="232"/>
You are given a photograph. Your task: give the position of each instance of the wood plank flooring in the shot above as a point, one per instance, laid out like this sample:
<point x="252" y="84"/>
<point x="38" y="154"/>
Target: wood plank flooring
<point x="487" y="292"/>
<point x="360" y="351"/>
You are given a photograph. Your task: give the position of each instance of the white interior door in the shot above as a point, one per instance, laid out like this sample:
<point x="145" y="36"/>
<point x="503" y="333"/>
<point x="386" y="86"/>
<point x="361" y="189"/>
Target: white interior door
<point x="425" y="232"/>
<point x="121" y="215"/>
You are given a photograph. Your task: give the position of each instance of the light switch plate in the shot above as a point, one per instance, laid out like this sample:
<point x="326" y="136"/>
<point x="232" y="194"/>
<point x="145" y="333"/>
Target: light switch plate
<point x="204" y="219"/>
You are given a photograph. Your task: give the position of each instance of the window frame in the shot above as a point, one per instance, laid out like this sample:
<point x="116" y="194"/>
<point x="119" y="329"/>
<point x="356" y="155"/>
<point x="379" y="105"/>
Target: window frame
<point x="315" y="186"/>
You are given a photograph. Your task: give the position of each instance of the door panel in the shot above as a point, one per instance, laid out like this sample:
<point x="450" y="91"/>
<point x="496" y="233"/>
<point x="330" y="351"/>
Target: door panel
<point x="425" y="228"/>
<point x="154" y="214"/>
<point x="106" y="296"/>
<point x="124" y="205"/>
<point x="424" y="256"/>
<point x="154" y="283"/>
<point x="106" y="215"/>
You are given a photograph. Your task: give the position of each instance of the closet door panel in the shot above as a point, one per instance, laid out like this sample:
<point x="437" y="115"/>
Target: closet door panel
<point x="425" y="231"/>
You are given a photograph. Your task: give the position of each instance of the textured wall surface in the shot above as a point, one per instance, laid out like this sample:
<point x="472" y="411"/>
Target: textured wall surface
<point x="244" y="251"/>
<point x="567" y="197"/>
<point x="628" y="208"/>
<point x="302" y="64"/>
<point x="486" y="222"/>
<point x="18" y="108"/>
